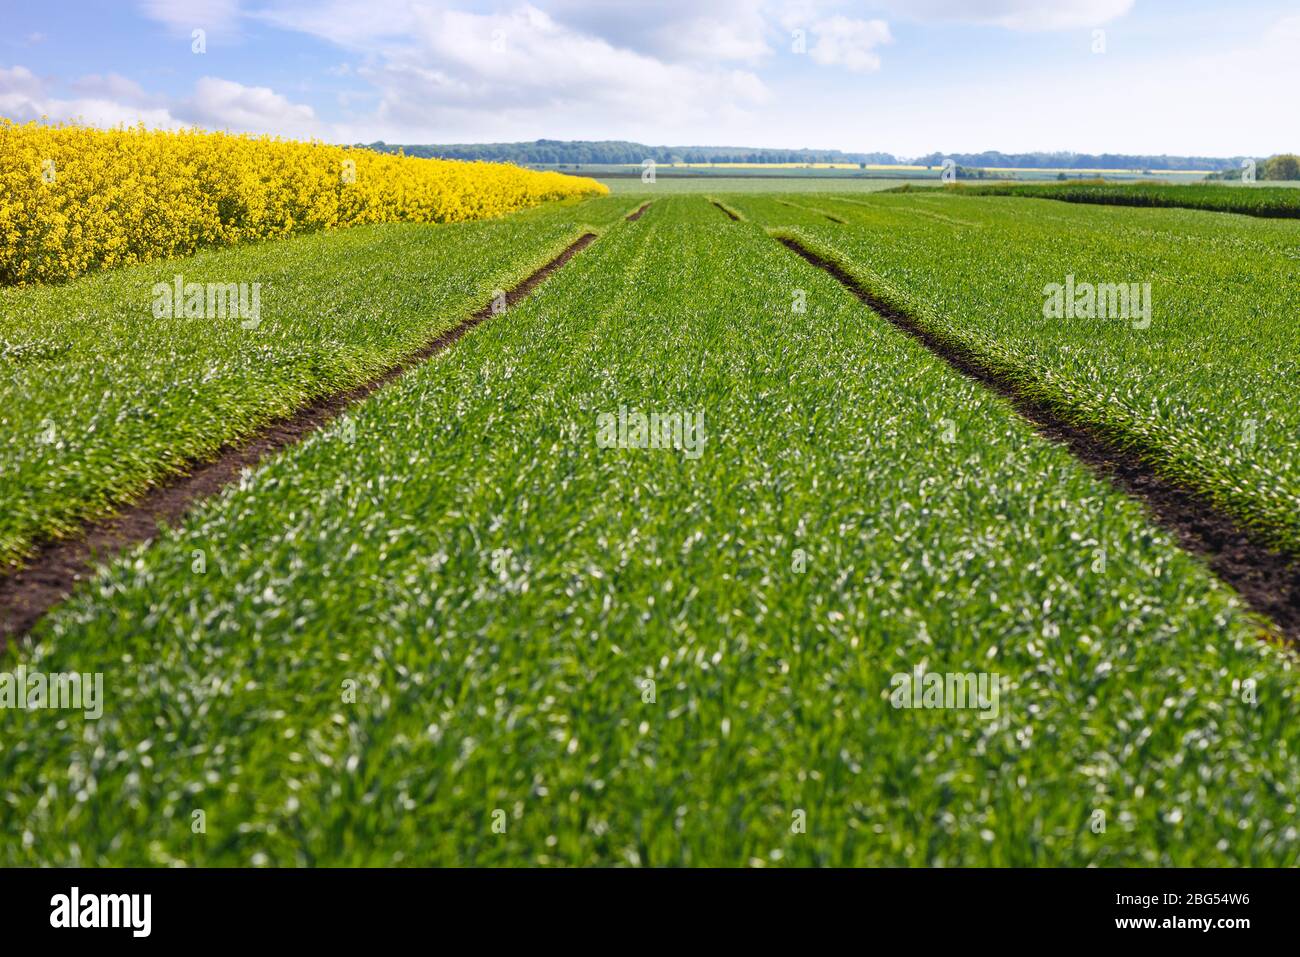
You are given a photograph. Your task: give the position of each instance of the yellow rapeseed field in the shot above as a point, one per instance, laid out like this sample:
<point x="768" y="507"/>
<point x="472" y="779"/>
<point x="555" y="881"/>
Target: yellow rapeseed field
<point x="75" y="199"/>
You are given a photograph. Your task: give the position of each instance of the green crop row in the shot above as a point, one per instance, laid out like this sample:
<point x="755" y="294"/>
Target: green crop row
<point x="1194" y="376"/>
<point x="112" y="382"/>
<point x="1271" y="201"/>
<point x="494" y="622"/>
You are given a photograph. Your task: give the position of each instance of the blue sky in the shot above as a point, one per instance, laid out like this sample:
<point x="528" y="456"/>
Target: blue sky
<point x="902" y="76"/>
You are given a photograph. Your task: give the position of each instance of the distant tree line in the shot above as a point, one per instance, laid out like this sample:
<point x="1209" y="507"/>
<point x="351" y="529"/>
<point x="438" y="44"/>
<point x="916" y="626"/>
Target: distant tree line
<point x="571" y="152"/>
<point x="1283" y="166"/>
<point x="606" y="152"/>
<point x="1081" y="161"/>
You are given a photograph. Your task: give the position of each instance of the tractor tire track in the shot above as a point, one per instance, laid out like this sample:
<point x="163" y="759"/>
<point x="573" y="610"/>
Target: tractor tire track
<point x="1267" y="580"/>
<point x="27" y="593"/>
<point x="731" y="213"/>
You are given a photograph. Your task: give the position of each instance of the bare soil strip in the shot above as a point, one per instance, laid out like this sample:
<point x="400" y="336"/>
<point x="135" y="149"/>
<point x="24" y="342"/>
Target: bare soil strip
<point x="1267" y="580"/>
<point x="28" y="593"/>
<point x="733" y="216"/>
<point x="633" y="217"/>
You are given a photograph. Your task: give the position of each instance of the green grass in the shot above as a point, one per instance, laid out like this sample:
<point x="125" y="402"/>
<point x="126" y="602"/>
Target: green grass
<point x="1200" y="393"/>
<point x="671" y="185"/>
<point x="99" y="399"/>
<point x="499" y="589"/>
<point x="1270" y="201"/>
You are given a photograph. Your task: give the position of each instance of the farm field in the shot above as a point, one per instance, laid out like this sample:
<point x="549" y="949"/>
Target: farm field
<point x="848" y="175"/>
<point x="468" y="631"/>
<point x="723" y="185"/>
<point x="1193" y="386"/>
<point x="106" y="198"/>
<point x="1278" y="200"/>
<point x="101" y="397"/>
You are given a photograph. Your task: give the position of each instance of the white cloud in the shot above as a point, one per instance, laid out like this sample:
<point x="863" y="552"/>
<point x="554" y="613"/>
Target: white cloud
<point x="24" y="97"/>
<point x="187" y="15"/>
<point x="112" y="86"/>
<point x="675" y="30"/>
<point x="19" y="81"/>
<point x="1013" y="14"/>
<point x="342" y="22"/>
<point x="226" y="105"/>
<point x="93" y="111"/>
<point x="114" y="100"/>
<point x="21" y="94"/>
<point x="1239" y="99"/>
<point x="1210" y="103"/>
<point x="842" y="41"/>
<point x="445" y="74"/>
<point x="721" y="72"/>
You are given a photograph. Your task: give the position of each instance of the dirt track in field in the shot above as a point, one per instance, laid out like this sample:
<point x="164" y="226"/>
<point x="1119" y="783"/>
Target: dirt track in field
<point x="633" y="217"/>
<point x="732" y="216"/>
<point x="1268" y="581"/>
<point x="48" y="577"/>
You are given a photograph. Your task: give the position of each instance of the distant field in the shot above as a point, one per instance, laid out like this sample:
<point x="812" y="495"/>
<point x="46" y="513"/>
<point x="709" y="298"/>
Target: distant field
<point x="670" y="185"/>
<point x="132" y="195"/>
<point x="825" y="172"/>
<point x="469" y="612"/>
<point x="842" y="174"/>
<point x="1196" y="388"/>
<point x="486" y="619"/>
<point x="1258" y="199"/>
<point x="100" y="398"/>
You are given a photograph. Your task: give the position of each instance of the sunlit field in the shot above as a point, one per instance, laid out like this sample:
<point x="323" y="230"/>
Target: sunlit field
<point x="674" y="553"/>
<point x="444" y="442"/>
